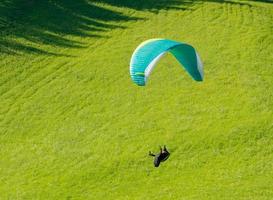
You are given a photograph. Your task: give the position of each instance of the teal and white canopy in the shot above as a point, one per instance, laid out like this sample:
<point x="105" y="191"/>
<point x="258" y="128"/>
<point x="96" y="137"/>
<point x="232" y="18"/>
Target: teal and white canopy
<point x="148" y="53"/>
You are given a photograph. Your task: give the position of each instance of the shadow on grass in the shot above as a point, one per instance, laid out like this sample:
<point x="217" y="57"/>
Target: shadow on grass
<point x="243" y="2"/>
<point x="154" y="5"/>
<point x="149" y="5"/>
<point x="25" y="25"/>
<point x="37" y="22"/>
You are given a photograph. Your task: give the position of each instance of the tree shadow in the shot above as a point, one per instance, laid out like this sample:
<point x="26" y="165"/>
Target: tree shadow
<point x="243" y="2"/>
<point x="37" y="22"/>
<point x="265" y="1"/>
<point x="30" y="26"/>
<point x="26" y="25"/>
<point x="150" y="5"/>
<point x="154" y="5"/>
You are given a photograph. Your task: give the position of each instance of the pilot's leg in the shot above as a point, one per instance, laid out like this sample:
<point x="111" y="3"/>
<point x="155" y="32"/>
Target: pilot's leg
<point x="151" y="154"/>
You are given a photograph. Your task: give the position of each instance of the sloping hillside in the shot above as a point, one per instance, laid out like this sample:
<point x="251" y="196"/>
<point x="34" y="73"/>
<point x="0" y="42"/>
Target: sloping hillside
<point x="74" y="126"/>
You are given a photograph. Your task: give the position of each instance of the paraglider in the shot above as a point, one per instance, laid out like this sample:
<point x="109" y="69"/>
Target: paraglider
<point x="145" y="58"/>
<point x="148" y="53"/>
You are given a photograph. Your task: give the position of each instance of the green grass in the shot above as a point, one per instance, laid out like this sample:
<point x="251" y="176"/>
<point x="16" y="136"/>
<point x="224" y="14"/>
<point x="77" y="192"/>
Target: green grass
<point x="74" y="126"/>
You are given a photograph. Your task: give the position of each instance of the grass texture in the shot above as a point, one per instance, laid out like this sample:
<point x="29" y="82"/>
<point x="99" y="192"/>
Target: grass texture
<point x="74" y="126"/>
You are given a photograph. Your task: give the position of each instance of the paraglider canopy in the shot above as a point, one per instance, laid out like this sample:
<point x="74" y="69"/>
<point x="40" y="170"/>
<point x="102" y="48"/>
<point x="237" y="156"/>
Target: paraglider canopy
<point x="148" y="53"/>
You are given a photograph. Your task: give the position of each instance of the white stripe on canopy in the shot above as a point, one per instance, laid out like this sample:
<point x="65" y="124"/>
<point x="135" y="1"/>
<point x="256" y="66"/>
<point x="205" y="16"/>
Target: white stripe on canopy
<point x="151" y="66"/>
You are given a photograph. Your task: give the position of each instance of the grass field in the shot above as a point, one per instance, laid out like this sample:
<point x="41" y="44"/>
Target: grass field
<point x="74" y="126"/>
